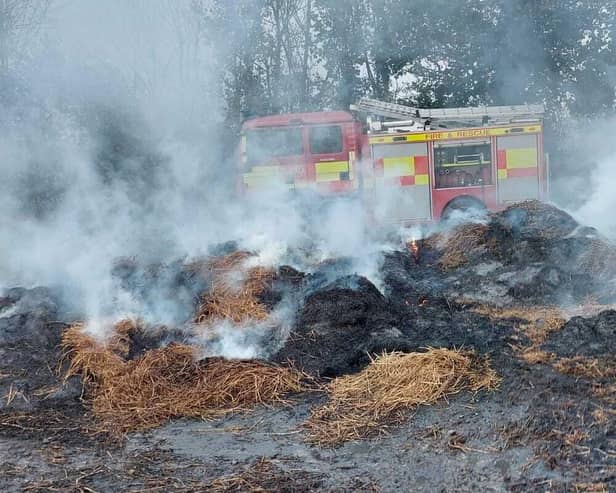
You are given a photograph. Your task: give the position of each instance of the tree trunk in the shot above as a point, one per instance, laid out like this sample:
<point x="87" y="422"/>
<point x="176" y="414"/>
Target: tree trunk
<point x="307" y="47"/>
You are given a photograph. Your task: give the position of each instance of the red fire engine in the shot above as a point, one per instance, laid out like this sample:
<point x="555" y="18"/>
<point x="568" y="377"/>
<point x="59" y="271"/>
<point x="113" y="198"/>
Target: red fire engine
<point x="413" y="165"/>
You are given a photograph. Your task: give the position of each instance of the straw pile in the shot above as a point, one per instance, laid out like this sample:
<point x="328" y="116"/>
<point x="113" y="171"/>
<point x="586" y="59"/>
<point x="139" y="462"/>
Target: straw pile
<point x="459" y="244"/>
<point x="234" y="294"/>
<point x="93" y="360"/>
<point x="168" y="383"/>
<point x="368" y="403"/>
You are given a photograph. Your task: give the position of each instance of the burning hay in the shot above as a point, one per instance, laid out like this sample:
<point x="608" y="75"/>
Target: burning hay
<point x="234" y="295"/>
<point x="167" y="383"/>
<point x="367" y="403"/>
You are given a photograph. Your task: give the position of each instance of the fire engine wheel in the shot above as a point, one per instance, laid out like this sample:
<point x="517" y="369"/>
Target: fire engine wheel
<point x="464" y="205"/>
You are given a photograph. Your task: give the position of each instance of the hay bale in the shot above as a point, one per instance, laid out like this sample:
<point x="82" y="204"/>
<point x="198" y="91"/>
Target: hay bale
<point x="368" y="403"/>
<point x="169" y="383"/>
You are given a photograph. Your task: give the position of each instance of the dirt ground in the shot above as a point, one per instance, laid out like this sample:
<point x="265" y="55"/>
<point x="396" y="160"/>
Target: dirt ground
<point x="512" y="296"/>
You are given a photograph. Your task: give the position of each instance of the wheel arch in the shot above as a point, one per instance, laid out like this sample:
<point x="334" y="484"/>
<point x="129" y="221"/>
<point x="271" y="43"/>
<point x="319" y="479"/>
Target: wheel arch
<point x="462" y="203"/>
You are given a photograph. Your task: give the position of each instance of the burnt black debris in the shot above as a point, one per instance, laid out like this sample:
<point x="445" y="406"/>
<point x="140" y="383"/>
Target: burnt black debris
<point x="593" y="336"/>
<point x="343" y="324"/>
<point x="560" y="423"/>
<point x="172" y="289"/>
<point x="339" y="326"/>
<point x="530" y="252"/>
<point x="30" y="332"/>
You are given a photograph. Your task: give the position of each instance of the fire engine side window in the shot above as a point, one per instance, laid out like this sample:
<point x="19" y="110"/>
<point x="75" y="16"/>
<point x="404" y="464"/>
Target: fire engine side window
<point x="462" y="165"/>
<point x="326" y="140"/>
<point x="263" y="144"/>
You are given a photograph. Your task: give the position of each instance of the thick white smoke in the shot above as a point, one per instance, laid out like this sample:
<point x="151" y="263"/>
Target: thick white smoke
<point x="584" y="185"/>
<point x="113" y="150"/>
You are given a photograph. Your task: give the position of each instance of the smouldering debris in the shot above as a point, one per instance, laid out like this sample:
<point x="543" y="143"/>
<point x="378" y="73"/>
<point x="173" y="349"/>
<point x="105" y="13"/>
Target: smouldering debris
<point x="234" y="291"/>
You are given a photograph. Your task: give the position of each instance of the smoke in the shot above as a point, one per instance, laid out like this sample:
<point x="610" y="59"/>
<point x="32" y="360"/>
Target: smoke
<point x="593" y="176"/>
<point x="114" y="164"/>
<point x="116" y="153"/>
<point x="110" y="152"/>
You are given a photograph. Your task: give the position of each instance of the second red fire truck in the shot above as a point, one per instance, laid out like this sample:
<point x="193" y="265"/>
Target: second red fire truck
<point x="411" y="165"/>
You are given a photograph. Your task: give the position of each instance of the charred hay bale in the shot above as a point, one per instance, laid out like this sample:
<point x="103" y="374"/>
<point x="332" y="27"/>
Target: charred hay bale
<point x="473" y="243"/>
<point x="25" y="315"/>
<point x="598" y="258"/>
<point x="349" y="300"/>
<point x="427" y="315"/>
<point x="532" y="251"/>
<point x="380" y="396"/>
<point x="339" y="325"/>
<point x="549" y="284"/>
<point x="537" y="220"/>
<point x="593" y="336"/>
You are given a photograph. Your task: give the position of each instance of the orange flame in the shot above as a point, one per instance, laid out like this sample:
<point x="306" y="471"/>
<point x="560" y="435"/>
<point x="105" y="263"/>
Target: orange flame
<point x="414" y="247"/>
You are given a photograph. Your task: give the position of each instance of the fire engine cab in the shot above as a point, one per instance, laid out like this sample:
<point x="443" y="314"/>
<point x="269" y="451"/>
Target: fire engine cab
<point x="407" y="164"/>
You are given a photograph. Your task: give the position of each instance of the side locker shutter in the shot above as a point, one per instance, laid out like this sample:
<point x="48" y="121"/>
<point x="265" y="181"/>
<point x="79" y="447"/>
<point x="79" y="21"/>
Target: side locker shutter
<point x="401" y="180"/>
<point x="517" y="168"/>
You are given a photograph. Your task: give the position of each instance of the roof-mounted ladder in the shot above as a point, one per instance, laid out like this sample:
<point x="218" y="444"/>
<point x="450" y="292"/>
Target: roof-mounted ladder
<point x="407" y="115"/>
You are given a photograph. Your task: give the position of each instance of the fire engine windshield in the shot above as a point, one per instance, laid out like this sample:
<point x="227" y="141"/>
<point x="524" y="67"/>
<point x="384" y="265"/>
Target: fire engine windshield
<point x="264" y="144"/>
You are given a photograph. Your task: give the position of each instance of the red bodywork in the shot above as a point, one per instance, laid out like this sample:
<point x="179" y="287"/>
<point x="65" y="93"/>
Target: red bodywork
<point x="301" y="170"/>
